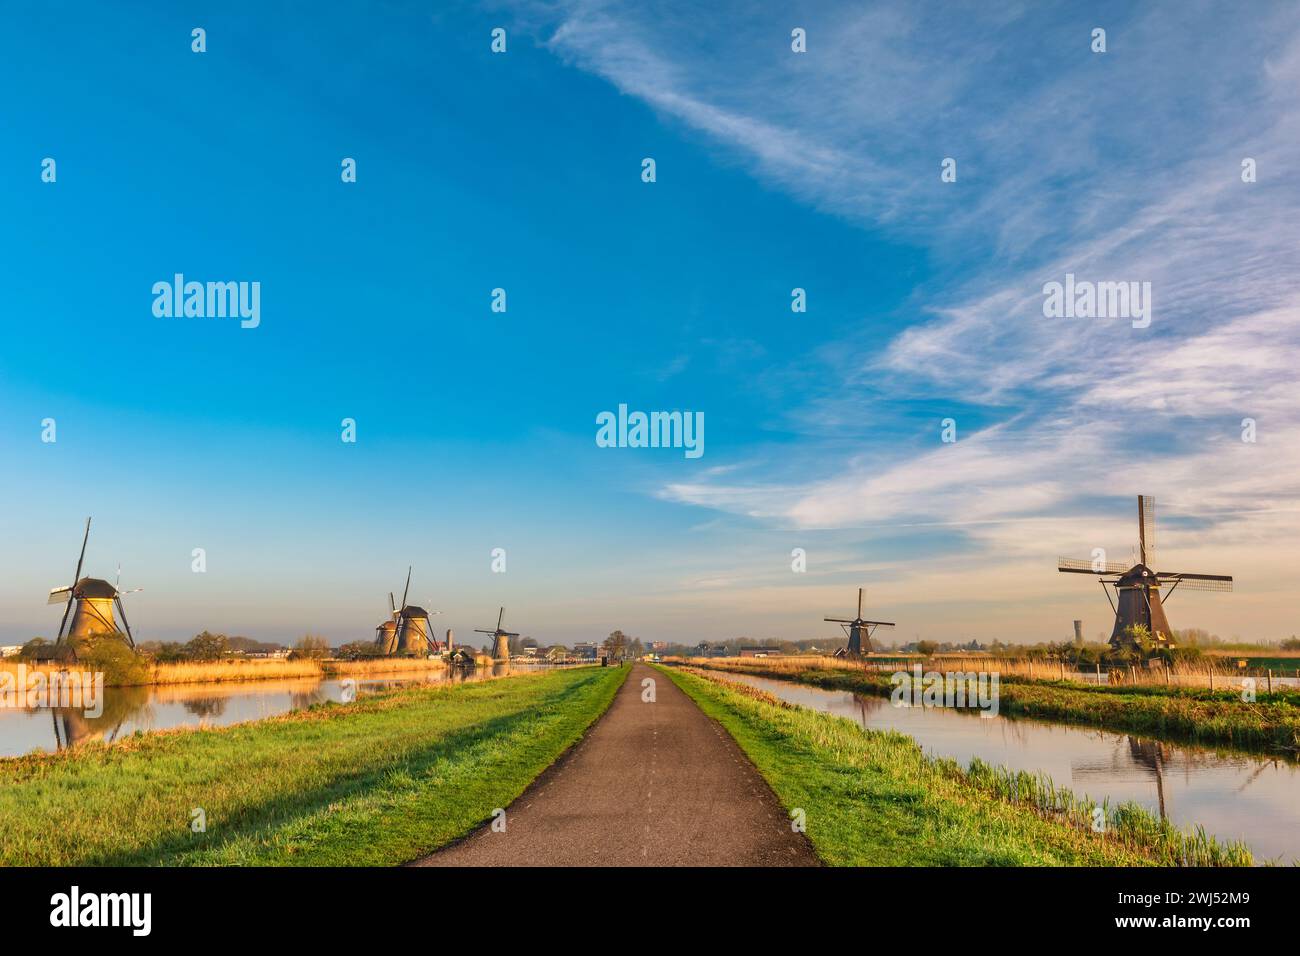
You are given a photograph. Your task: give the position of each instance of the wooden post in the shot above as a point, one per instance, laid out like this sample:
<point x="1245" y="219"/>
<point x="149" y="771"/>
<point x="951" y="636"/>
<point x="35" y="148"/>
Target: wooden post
<point x="1031" y="668"/>
<point x="1098" y="663"/>
<point x="1210" y="670"/>
<point x="1166" y="673"/>
<point x="1270" y="680"/>
<point x="1062" y="668"/>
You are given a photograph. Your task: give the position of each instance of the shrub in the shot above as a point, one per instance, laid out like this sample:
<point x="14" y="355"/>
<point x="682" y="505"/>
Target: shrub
<point x="310" y="647"/>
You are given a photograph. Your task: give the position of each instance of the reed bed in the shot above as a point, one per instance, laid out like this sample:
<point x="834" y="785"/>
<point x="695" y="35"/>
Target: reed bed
<point x="381" y="666"/>
<point x="209" y="672"/>
<point x="929" y="810"/>
<point x="1214" y="670"/>
<point x="241" y="671"/>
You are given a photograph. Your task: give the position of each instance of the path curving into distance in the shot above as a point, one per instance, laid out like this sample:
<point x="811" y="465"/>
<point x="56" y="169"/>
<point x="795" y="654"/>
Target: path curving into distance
<point x="650" y="784"/>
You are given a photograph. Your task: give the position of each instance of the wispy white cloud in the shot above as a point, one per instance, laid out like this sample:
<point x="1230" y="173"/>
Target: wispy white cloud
<point x="1122" y="166"/>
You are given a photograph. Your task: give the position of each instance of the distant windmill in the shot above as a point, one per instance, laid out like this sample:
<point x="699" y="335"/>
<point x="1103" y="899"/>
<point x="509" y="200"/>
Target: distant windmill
<point x="408" y="632"/>
<point x="500" y="639"/>
<point x="1138" y="588"/>
<point x="858" y="630"/>
<point x="94" y="601"/>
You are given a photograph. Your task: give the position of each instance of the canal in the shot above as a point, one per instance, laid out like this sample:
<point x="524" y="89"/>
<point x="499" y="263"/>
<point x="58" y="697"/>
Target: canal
<point x="1234" y="795"/>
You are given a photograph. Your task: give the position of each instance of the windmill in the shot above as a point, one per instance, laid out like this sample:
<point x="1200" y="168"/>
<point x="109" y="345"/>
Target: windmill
<point x="386" y="632"/>
<point x="407" y="632"/>
<point x="1137" y="588"/>
<point x="500" y="639"/>
<point x="858" y="630"/>
<point x="94" y="600"/>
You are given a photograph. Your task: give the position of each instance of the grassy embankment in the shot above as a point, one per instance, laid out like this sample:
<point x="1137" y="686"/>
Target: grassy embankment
<point x="1270" y="722"/>
<point x="873" y="798"/>
<point x="380" y="781"/>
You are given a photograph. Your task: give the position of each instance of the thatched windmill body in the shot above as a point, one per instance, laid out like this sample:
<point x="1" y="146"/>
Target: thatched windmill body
<point x="859" y="631"/>
<point x="1138" y="601"/>
<point x="91" y="603"/>
<point x="500" y="639"/>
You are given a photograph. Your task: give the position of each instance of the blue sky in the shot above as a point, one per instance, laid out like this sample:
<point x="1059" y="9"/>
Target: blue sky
<point x="522" y="171"/>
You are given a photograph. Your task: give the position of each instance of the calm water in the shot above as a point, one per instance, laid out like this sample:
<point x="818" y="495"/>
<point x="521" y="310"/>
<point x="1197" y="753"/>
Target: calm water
<point x="1233" y="795"/>
<point x="128" y="709"/>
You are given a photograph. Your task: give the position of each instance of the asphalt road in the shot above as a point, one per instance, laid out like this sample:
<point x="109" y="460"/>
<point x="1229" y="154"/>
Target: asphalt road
<point x="650" y="784"/>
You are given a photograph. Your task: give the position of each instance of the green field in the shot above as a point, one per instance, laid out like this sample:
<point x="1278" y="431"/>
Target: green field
<point x="377" y="782"/>
<point x="874" y="799"/>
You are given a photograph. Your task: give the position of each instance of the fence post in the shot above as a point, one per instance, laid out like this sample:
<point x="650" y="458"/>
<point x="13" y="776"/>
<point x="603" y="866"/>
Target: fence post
<point x="1270" y="680"/>
<point x="1098" y="663"/>
<point x="1210" y="669"/>
<point x="1062" y="668"/>
<point x="1166" y="673"/>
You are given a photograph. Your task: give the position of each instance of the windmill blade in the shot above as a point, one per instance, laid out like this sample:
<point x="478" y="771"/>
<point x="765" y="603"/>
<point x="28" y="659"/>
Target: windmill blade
<point x="479" y="630"/>
<point x="837" y="620"/>
<point x="122" y="611"/>
<point x="508" y="633"/>
<point x="1077" y="566"/>
<point x="60" y="595"/>
<point x="500" y="618"/>
<point x="1147" y="528"/>
<point x="1202" y="584"/>
<point x="408" y="587"/>
<point x="81" y="560"/>
<point x="132" y="591"/>
<point x="1185" y="576"/>
<point x="879" y="623"/>
<point x="75" y="578"/>
<point x="859" y="602"/>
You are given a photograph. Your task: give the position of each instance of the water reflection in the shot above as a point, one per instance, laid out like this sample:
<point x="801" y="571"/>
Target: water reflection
<point x="1233" y="794"/>
<point x="72" y="726"/>
<point x="202" y="707"/>
<point x="127" y="710"/>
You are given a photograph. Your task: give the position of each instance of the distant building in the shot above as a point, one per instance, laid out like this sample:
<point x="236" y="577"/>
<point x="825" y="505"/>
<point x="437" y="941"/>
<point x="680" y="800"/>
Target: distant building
<point x="9" y="650"/>
<point x="759" y="652"/>
<point x="586" y="650"/>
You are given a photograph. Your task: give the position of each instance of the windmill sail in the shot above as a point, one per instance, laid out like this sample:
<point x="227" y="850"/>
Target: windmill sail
<point x="1147" y="529"/>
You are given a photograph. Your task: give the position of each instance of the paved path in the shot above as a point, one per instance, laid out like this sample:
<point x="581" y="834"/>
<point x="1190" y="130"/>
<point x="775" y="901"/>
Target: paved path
<point x="651" y="784"/>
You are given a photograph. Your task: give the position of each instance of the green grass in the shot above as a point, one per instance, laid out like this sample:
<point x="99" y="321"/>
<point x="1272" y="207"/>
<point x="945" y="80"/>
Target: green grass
<point x="380" y="781"/>
<point x="1271" y="722"/>
<point x="872" y="798"/>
